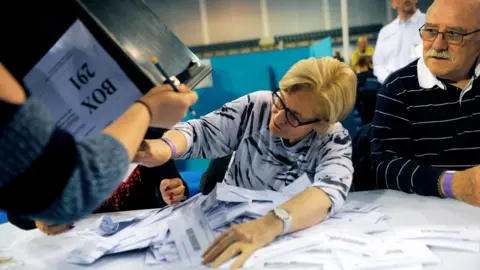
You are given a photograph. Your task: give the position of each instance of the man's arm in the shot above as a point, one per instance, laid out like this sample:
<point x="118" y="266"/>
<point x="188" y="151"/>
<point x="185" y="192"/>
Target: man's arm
<point x="393" y="162"/>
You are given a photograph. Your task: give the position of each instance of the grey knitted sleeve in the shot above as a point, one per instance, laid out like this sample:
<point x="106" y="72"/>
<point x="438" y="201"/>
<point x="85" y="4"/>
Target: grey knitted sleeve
<point x="36" y="158"/>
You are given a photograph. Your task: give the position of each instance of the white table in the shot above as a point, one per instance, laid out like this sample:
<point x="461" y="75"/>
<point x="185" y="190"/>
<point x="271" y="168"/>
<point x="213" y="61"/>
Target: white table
<point x="44" y="252"/>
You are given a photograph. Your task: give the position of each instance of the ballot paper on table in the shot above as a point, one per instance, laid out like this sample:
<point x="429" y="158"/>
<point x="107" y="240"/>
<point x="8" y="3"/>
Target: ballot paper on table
<point x="91" y="250"/>
<point x="360" y="207"/>
<point x="282" y="247"/>
<point x="396" y="255"/>
<point x="450" y="237"/>
<point x="191" y="233"/>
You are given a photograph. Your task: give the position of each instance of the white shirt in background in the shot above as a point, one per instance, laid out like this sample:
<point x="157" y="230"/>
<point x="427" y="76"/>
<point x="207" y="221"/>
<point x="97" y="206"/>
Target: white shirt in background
<point x="398" y="44"/>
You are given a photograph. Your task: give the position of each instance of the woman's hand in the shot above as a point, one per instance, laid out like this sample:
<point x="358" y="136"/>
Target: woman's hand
<point x="243" y="239"/>
<point x="172" y="190"/>
<point x="52" y="229"/>
<point x="153" y="153"/>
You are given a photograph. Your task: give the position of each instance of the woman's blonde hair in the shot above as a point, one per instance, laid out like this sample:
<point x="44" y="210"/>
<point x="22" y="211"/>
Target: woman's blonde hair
<point x="333" y="83"/>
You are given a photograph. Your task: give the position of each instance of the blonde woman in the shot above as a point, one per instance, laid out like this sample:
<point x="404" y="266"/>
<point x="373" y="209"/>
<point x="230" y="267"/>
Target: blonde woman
<point x="275" y="137"/>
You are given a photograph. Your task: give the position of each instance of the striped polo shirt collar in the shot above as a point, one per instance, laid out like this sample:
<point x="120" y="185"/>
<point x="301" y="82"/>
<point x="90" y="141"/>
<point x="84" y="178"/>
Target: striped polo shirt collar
<point x="427" y="80"/>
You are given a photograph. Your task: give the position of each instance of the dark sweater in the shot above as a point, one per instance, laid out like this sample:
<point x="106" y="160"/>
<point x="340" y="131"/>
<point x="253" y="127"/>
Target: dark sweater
<point x="422" y="127"/>
<point x="31" y="148"/>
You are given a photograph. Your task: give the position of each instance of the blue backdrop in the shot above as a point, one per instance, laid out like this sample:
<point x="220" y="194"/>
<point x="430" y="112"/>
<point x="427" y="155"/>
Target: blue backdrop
<point x="237" y="75"/>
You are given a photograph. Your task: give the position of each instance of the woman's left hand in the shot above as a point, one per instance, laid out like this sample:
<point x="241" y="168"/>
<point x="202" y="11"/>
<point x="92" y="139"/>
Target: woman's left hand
<point x="243" y="239"/>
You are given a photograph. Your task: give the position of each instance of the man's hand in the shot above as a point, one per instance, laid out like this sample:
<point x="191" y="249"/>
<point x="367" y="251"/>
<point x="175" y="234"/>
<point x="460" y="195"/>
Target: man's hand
<point x="52" y="229"/>
<point x="466" y="185"/>
<point x="167" y="106"/>
<point x="243" y="240"/>
<point x="173" y="190"/>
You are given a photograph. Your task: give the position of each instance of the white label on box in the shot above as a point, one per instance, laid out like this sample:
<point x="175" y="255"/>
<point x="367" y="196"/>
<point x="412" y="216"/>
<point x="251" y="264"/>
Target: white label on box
<point x="80" y="84"/>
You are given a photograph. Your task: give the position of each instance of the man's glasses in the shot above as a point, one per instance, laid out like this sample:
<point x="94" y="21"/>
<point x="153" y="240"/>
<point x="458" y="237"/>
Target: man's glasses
<point x="292" y="119"/>
<point x="451" y="37"/>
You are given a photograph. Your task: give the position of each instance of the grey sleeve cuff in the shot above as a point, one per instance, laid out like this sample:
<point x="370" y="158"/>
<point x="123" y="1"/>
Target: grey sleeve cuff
<point x="24" y="138"/>
<point x="101" y="165"/>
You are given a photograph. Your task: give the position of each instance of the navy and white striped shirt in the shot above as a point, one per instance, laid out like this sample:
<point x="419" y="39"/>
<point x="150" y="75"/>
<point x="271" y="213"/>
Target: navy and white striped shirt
<point x="262" y="161"/>
<point x="422" y="127"/>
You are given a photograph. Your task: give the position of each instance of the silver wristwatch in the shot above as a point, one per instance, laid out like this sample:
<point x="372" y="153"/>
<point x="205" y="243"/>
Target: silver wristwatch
<point x="285" y="217"/>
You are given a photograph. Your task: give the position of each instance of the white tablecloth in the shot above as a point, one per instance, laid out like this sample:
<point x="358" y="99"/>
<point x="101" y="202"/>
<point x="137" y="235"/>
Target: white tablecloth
<point x="44" y="252"/>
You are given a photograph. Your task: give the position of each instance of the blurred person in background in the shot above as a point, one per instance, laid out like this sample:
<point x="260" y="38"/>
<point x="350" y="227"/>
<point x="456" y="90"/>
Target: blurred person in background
<point x="398" y="43"/>
<point x="339" y="56"/>
<point x="364" y="70"/>
<point x="275" y="137"/>
<point x="86" y="172"/>
<point x="363" y="49"/>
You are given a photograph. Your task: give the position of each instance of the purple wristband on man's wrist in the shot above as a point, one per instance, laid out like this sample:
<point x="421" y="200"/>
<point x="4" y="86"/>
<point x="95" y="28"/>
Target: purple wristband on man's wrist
<point x="447" y="184"/>
<point x="172" y="146"/>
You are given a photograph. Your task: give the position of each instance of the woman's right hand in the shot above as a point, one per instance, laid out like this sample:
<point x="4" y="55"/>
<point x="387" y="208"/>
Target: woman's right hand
<point x="153" y="153"/>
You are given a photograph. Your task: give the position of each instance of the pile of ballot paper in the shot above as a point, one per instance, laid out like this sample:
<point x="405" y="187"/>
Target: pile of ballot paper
<point x="356" y="238"/>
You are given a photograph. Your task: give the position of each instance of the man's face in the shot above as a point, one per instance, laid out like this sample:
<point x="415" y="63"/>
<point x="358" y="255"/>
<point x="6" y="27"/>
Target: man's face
<point x="405" y="6"/>
<point x="451" y="61"/>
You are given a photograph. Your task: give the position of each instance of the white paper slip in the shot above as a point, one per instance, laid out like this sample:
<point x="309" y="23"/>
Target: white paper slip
<point x="441" y="232"/>
<point x="192" y="234"/>
<point x="90" y="251"/>
<point x="297" y="186"/>
<point x="462" y="245"/>
<point x="150" y="258"/>
<point x="154" y="217"/>
<point x="397" y="255"/>
<point x="284" y="247"/>
<point x="259" y="209"/>
<point x="360" y="207"/>
<point x="353" y="261"/>
<point x="324" y="265"/>
<point x="370" y="218"/>
<point x="315" y="256"/>
<point x="358" y="243"/>
<point x="106" y="225"/>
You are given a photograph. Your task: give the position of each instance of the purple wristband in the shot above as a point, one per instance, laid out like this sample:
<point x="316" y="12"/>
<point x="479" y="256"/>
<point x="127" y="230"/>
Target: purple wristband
<point x="172" y="146"/>
<point x="447" y="184"/>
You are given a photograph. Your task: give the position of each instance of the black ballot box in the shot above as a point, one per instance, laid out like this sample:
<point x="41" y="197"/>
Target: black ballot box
<point x="89" y="60"/>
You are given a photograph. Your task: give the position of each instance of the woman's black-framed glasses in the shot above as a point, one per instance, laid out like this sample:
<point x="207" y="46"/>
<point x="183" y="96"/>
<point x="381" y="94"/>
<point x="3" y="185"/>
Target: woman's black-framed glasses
<point x="292" y="119"/>
<point x="451" y="37"/>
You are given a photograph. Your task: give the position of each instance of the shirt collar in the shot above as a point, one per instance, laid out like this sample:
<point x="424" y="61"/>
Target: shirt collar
<point x="414" y="19"/>
<point x="427" y="80"/>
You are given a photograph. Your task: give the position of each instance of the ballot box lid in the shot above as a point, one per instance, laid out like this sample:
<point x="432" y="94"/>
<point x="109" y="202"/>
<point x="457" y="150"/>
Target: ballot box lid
<point x="129" y="31"/>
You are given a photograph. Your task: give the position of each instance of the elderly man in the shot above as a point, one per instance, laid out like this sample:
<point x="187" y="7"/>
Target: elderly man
<point x="398" y="42"/>
<point x="362" y="50"/>
<point x="427" y="122"/>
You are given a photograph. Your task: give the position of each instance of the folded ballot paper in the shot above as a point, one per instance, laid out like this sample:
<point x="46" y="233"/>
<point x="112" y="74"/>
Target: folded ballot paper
<point x="356" y="238"/>
<point x="179" y="234"/>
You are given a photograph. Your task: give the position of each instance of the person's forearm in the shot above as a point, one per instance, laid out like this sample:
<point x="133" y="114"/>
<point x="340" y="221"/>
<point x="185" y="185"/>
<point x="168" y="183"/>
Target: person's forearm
<point x="178" y="140"/>
<point x="306" y="209"/>
<point x="130" y="128"/>
<point x="10" y="89"/>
